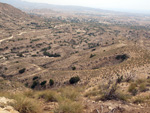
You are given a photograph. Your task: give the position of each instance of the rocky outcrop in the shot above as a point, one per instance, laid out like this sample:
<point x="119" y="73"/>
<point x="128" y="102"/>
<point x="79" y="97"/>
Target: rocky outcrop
<point x="5" y="107"/>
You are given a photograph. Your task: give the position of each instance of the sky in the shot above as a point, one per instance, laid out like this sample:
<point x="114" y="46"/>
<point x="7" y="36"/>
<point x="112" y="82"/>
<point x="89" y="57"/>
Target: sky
<point x="117" y="5"/>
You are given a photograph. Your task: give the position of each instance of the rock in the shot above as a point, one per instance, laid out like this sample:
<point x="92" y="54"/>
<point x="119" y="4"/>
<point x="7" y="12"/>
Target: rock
<point x="4" y="100"/>
<point x="6" y="108"/>
<point x="110" y="108"/>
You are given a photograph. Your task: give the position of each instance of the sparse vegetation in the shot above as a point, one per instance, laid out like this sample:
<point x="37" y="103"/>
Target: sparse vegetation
<point x="73" y="68"/>
<point x="74" y="80"/>
<point x="92" y="55"/>
<point x="122" y="57"/>
<point x="49" y="96"/>
<point x="43" y="83"/>
<point x="21" y="71"/>
<point x="91" y="48"/>
<point x="133" y="88"/>
<point x="51" y="55"/>
<point x="26" y="105"/>
<point x="34" y="84"/>
<point x="51" y="82"/>
<point x="68" y="106"/>
<point x="34" y="78"/>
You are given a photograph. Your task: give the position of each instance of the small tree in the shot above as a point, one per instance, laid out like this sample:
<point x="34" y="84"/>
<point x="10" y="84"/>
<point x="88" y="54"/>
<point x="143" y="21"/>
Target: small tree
<point x="74" y="80"/>
<point x="73" y="68"/>
<point x="51" y="82"/>
<point x="22" y="70"/>
<point x="43" y="83"/>
<point x="34" y="78"/>
<point x="35" y="83"/>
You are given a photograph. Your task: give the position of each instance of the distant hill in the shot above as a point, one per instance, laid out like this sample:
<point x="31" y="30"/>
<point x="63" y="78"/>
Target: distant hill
<point x="12" y="19"/>
<point x="11" y="16"/>
<point x="8" y="11"/>
<point x="29" y="5"/>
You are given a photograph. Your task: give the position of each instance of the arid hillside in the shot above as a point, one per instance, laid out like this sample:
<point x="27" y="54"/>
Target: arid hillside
<point x="60" y="62"/>
<point x="13" y="20"/>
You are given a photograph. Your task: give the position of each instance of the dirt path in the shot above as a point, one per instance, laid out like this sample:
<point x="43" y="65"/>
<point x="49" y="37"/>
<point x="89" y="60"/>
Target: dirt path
<point x="11" y="37"/>
<point x="6" y="39"/>
<point x="22" y="33"/>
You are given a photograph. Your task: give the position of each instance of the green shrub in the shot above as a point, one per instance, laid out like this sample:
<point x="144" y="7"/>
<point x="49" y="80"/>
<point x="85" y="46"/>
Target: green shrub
<point x="73" y="68"/>
<point x="74" y="80"/>
<point x="43" y="83"/>
<point x="35" y="83"/>
<point x="34" y="78"/>
<point x="51" y="55"/>
<point x="122" y="57"/>
<point x="22" y="70"/>
<point x="51" y="82"/>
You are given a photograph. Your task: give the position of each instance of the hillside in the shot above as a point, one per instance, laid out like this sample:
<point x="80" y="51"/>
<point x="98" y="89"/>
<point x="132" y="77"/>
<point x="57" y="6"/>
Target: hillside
<point x="64" y="62"/>
<point x="12" y="19"/>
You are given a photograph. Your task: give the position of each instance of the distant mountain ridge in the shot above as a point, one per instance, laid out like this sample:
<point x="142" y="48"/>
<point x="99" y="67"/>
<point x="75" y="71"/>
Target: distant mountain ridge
<point x="29" y="5"/>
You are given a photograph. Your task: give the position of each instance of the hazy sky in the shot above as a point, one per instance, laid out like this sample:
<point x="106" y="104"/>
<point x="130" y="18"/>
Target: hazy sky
<point x="122" y="5"/>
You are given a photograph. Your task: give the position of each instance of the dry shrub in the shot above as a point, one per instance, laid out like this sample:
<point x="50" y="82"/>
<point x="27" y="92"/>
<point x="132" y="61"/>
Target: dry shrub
<point x="69" y="93"/>
<point x="68" y="106"/>
<point x="142" y="87"/>
<point x="49" y="96"/>
<point x="133" y="88"/>
<point x="26" y="105"/>
<point x="138" y="100"/>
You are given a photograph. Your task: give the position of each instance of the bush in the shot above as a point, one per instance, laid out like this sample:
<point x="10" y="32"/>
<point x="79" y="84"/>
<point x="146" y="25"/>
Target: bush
<point x="69" y="106"/>
<point x="22" y="70"/>
<point x="74" y="80"/>
<point x="138" y="100"/>
<point x="132" y="88"/>
<point x="142" y="87"/>
<point x="51" y="82"/>
<point x="34" y="78"/>
<point x="122" y="57"/>
<point x="29" y="93"/>
<point x="51" y="55"/>
<point x="20" y="54"/>
<point x="49" y="96"/>
<point x="73" y="68"/>
<point x="43" y="83"/>
<point x="26" y="105"/>
<point x="110" y="93"/>
<point x="35" y="83"/>
<point x="69" y="93"/>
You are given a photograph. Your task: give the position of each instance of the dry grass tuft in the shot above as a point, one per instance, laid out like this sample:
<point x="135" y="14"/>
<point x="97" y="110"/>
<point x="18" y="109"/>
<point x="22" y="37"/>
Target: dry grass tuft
<point x="68" y="106"/>
<point x="26" y="105"/>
